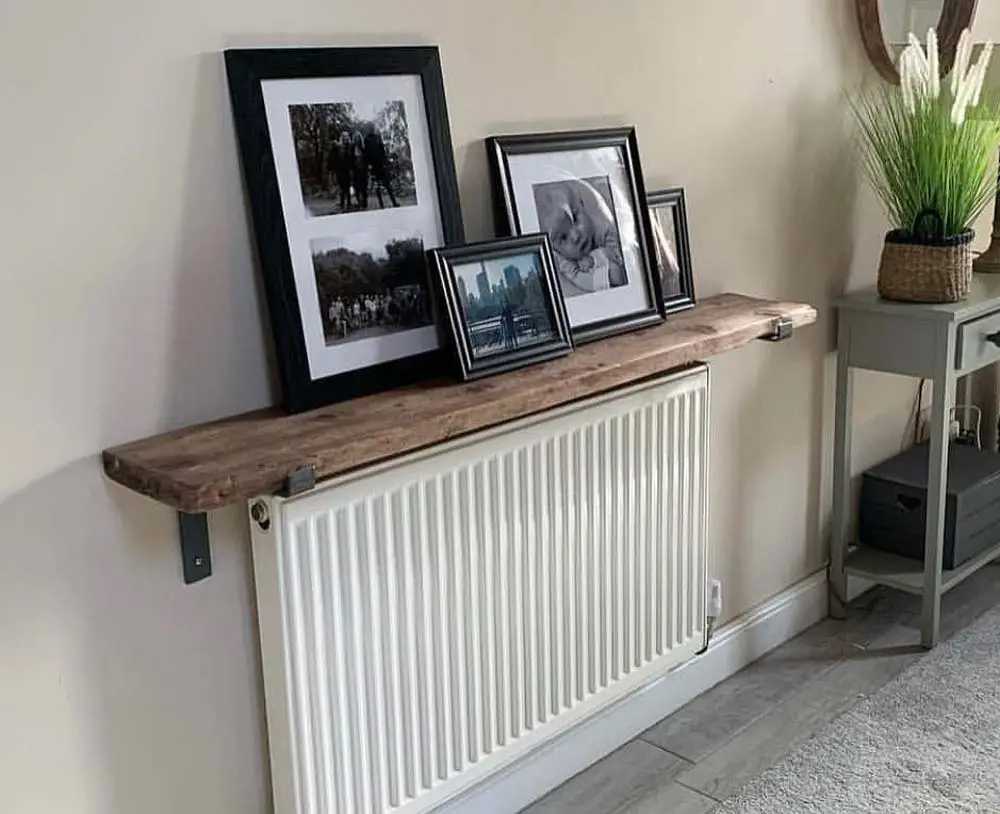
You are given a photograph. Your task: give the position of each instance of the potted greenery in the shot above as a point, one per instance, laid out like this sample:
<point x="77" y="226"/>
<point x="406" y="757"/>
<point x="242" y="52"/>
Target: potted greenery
<point x="928" y="150"/>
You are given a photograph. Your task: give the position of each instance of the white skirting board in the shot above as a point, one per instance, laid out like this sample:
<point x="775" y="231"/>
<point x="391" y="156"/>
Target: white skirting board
<point x="734" y="646"/>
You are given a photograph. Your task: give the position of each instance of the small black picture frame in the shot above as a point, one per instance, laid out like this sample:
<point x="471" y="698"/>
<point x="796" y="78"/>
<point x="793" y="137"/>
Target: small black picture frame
<point x="672" y="248"/>
<point x="608" y="278"/>
<point x="336" y="213"/>
<point x="503" y="303"/>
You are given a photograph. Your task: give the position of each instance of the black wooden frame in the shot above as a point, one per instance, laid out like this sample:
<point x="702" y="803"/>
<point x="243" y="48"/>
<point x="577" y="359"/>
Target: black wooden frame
<point x="246" y="70"/>
<point x="674" y="199"/>
<point x="443" y="262"/>
<point x="499" y="150"/>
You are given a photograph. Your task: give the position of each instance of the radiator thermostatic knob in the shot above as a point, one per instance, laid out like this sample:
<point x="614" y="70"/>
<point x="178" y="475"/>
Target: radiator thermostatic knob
<point x="260" y="515"/>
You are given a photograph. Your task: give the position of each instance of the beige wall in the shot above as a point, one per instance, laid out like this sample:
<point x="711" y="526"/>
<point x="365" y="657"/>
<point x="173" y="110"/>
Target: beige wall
<point x="129" y="307"/>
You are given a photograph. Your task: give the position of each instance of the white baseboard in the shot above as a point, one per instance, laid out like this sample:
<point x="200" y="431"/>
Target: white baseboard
<point x="734" y="646"/>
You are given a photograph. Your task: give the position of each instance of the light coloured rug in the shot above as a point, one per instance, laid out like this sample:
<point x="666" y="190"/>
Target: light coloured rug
<point x="927" y="742"/>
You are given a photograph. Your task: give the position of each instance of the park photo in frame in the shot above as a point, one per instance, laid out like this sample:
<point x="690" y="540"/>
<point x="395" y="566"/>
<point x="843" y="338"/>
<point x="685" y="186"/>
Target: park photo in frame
<point x="672" y="248"/>
<point x="350" y="173"/>
<point x="585" y="191"/>
<point x="503" y="302"/>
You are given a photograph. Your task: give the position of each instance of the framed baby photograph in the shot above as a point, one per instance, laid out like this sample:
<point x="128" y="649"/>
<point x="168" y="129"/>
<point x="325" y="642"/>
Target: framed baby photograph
<point x="671" y="244"/>
<point x="585" y="191"/>
<point x="351" y="179"/>
<point x="504" y="304"/>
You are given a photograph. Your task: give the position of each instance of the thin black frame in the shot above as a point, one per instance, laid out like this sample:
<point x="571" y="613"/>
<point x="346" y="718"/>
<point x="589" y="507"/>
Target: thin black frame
<point x="674" y="198"/>
<point x="500" y="148"/>
<point x="444" y="261"/>
<point x="246" y="70"/>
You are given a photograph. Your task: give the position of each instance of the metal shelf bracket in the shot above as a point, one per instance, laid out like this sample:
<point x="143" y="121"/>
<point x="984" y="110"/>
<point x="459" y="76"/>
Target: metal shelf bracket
<point x="196" y="553"/>
<point x="781" y="328"/>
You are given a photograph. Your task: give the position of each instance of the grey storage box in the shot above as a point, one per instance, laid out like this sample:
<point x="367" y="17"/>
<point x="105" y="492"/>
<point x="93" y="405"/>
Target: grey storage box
<point x="894" y="504"/>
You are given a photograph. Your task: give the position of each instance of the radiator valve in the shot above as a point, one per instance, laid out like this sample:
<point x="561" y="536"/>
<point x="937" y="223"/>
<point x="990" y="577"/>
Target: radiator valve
<point x="714" y="610"/>
<point x="715" y="599"/>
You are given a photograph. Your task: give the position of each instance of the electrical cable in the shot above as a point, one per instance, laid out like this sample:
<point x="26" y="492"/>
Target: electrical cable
<point x="979" y="420"/>
<point x="915" y="411"/>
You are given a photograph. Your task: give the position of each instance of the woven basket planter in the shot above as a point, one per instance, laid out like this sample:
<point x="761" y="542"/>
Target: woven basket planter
<point x="926" y="270"/>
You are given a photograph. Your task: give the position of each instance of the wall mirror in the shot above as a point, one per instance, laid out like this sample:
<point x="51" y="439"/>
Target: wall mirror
<point x="886" y="24"/>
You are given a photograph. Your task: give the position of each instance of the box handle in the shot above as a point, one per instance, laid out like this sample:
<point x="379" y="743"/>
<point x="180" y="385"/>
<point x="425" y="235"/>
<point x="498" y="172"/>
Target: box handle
<point x="908" y="503"/>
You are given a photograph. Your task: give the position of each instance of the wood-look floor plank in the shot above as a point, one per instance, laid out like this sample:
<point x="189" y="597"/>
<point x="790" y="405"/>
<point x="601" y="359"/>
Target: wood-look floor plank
<point x="881" y="609"/>
<point x="611" y="785"/>
<point x="874" y="615"/>
<point x="794" y="720"/>
<point x="964" y="603"/>
<point x="713" y="719"/>
<point x="748" y="722"/>
<point x="671" y="798"/>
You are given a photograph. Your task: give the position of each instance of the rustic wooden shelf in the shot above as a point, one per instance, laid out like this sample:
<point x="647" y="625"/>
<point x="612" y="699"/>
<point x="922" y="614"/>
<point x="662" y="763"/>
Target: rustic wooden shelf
<point x="211" y="465"/>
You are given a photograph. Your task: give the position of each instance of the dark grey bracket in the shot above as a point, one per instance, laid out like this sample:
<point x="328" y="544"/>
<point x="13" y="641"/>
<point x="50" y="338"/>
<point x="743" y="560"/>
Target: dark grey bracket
<point x="781" y="328"/>
<point x="196" y="554"/>
<point x="301" y="480"/>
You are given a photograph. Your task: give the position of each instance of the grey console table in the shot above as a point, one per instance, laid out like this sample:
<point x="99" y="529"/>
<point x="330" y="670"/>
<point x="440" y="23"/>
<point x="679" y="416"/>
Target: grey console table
<point x="938" y="342"/>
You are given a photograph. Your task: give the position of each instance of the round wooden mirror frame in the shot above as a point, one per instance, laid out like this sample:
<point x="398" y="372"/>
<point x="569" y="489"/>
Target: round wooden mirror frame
<point x="956" y="16"/>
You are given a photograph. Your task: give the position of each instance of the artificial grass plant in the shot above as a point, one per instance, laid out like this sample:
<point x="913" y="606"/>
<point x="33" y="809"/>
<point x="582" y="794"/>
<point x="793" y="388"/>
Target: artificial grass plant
<point x="928" y="147"/>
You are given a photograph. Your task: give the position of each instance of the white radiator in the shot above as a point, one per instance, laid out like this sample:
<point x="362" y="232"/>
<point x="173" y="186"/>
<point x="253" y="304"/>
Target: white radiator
<point x="427" y="622"/>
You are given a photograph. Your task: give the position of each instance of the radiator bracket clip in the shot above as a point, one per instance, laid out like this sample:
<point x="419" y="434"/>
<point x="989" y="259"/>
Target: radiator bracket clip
<point x="301" y="480"/>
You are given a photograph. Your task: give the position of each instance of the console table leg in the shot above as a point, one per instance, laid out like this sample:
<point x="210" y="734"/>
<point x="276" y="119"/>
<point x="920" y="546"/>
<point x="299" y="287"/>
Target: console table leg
<point x="839" y="536"/>
<point x="937" y="482"/>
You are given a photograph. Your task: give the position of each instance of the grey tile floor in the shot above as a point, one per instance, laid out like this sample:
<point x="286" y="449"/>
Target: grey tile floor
<point x="709" y="749"/>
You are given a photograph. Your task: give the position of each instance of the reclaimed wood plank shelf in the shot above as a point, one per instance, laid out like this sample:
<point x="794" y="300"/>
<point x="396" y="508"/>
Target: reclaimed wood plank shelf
<point x="204" y="467"/>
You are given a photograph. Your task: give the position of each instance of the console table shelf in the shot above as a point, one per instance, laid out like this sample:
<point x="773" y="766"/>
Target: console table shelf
<point x="201" y="468"/>
<point x="906" y="574"/>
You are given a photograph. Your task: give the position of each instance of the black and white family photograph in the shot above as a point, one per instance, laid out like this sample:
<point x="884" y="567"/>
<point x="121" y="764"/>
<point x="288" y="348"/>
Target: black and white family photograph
<point x="665" y="241"/>
<point x="504" y="304"/>
<point x="578" y="216"/>
<point x="350" y="175"/>
<point x="370" y="291"/>
<point x="584" y="191"/>
<point x="672" y="247"/>
<point x="353" y="157"/>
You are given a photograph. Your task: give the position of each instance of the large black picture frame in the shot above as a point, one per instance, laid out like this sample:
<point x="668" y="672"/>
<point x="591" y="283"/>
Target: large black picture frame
<point x="673" y="201"/>
<point x="247" y="70"/>
<point x="473" y="365"/>
<point x="500" y="150"/>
